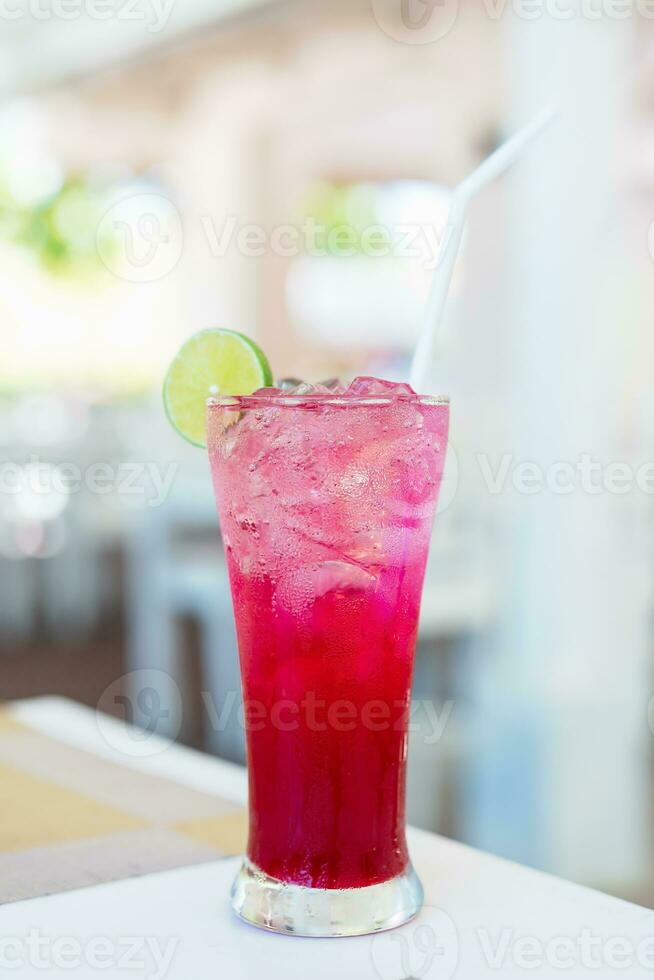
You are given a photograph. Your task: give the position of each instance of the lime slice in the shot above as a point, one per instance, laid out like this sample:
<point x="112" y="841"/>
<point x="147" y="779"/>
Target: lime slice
<point x="211" y="363"/>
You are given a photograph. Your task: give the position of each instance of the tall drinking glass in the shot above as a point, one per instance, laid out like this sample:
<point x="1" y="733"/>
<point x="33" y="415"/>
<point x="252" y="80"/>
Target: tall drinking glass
<point x="326" y="504"/>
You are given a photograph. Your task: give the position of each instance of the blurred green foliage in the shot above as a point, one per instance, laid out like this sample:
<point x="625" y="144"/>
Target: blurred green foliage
<point x="343" y="213"/>
<point x="61" y="228"/>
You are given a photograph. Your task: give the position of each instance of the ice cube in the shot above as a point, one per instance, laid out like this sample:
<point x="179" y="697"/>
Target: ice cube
<point x="302" y="586"/>
<point x="295" y="387"/>
<point x="305" y="388"/>
<point x="266" y="392"/>
<point x="292" y="387"/>
<point x="334" y="385"/>
<point x="363" y="386"/>
<point x="341" y="576"/>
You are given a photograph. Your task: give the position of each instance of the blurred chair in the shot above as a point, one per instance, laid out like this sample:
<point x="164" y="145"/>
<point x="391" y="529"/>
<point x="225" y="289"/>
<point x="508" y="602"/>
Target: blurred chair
<point x="170" y="577"/>
<point x="18" y="600"/>
<point x="74" y="578"/>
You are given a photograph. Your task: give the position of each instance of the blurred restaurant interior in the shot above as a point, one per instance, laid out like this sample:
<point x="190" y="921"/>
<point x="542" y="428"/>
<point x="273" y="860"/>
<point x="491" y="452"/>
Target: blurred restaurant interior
<point x="196" y="167"/>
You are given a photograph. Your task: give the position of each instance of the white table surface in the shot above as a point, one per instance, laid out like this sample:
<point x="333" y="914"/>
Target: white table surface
<point x="483" y="917"/>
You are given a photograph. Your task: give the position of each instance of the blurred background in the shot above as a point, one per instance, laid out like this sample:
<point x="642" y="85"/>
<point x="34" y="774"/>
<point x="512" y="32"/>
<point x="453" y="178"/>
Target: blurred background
<point x="284" y="169"/>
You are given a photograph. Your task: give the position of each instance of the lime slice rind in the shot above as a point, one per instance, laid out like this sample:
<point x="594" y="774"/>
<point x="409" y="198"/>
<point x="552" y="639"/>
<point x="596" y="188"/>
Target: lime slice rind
<point x="212" y="363"/>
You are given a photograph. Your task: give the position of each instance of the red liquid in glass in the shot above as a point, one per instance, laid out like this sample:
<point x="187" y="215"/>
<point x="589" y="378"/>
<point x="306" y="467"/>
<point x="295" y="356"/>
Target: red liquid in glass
<point x="326" y="511"/>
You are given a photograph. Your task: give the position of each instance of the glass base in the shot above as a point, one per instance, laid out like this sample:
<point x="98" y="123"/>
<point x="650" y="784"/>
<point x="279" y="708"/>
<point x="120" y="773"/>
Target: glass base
<point x="282" y="907"/>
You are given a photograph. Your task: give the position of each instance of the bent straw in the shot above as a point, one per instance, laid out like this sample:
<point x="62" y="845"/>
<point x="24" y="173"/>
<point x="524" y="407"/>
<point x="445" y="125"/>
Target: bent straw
<point x="494" y="165"/>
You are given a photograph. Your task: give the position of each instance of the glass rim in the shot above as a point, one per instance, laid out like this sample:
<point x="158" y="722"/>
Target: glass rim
<point x="311" y="401"/>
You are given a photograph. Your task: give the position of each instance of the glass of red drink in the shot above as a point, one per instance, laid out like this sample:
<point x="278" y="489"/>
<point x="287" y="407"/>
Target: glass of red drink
<point x="326" y="502"/>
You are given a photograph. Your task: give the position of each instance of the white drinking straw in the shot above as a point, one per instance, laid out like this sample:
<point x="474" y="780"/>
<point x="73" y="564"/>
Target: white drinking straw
<point x="494" y="165"/>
